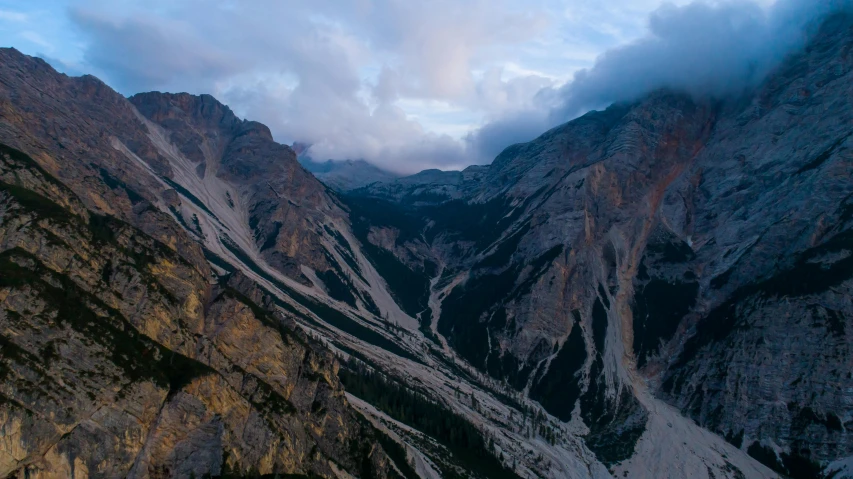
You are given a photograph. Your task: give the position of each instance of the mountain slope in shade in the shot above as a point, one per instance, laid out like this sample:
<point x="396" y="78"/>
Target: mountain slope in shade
<point x="426" y="187"/>
<point x="690" y="250"/>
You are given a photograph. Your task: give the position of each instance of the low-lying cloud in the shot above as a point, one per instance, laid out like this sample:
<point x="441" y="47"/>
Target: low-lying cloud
<point x="300" y="65"/>
<point x="304" y="67"/>
<point x="702" y="49"/>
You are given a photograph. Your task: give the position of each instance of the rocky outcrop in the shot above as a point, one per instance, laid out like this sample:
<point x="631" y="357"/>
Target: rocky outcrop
<point x="69" y="126"/>
<point x="765" y="357"/>
<point x="428" y="187"/>
<point x="120" y="359"/>
<point x="285" y="205"/>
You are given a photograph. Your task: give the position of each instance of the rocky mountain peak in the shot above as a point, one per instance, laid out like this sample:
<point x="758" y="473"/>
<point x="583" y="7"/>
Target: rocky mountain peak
<point x="200" y="110"/>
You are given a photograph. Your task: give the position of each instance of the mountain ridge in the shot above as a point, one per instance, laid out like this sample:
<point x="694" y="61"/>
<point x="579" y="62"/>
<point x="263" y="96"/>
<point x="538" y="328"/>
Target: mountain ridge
<point x="647" y="257"/>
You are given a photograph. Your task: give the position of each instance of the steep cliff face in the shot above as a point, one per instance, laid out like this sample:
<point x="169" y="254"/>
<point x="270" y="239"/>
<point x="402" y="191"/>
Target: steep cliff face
<point x="688" y="249"/>
<point x="119" y="357"/>
<point x="284" y="205"/>
<point x="766" y="358"/>
<point x="245" y="196"/>
<point x="70" y="126"/>
<point x="535" y="274"/>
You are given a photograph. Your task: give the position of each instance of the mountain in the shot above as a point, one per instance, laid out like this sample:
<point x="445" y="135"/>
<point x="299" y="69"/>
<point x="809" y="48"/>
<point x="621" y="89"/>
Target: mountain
<point x="120" y="359"/>
<point x="123" y="355"/>
<point x="667" y="254"/>
<point x="346" y="175"/>
<point x="426" y="187"/>
<point x="659" y="289"/>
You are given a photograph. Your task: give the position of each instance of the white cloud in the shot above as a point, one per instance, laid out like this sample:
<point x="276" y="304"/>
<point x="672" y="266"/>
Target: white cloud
<point x="37" y="39"/>
<point x="409" y="85"/>
<point x="334" y="74"/>
<point x="707" y="50"/>
<point x="703" y="49"/>
<point x="13" y="16"/>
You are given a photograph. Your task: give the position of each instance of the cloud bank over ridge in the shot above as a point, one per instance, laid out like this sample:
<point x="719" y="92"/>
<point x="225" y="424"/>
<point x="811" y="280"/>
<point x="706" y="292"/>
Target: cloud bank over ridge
<point x="415" y="85"/>
<point x="707" y="50"/>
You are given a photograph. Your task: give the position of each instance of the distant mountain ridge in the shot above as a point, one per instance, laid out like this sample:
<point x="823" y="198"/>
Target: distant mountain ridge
<point x="345" y="175"/>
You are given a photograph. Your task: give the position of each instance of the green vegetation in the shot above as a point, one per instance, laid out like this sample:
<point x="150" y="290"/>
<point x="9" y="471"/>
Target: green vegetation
<point x="671" y="250"/>
<point x="504" y="251"/>
<point x="254" y="475"/>
<point x="482" y="223"/>
<point x="217" y="260"/>
<point x="38" y="204"/>
<point x="271" y="237"/>
<point x="180" y="217"/>
<point x="116" y="183"/>
<point x="337" y="282"/>
<point x="615" y="424"/>
<point x="397" y="453"/>
<point x="197" y="226"/>
<point x="462" y="309"/>
<point x="19" y="160"/>
<point x="345" y="250"/>
<point x="335" y="286"/>
<point x="186" y="194"/>
<point x="794" y="465"/>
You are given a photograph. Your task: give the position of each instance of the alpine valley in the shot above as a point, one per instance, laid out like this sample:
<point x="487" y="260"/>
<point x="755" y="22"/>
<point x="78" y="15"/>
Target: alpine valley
<point x="662" y="289"/>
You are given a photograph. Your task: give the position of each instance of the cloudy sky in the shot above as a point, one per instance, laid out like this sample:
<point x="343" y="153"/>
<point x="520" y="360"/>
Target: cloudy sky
<point x="413" y="84"/>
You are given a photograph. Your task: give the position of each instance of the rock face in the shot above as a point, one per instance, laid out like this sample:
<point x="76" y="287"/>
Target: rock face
<point x="693" y="250"/>
<point x="285" y="204"/>
<point x="118" y="356"/>
<point x="69" y="125"/>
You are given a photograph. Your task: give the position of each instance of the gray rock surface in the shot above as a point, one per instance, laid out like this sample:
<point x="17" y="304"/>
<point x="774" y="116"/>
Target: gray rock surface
<point x="119" y="358"/>
<point x="695" y="250"/>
